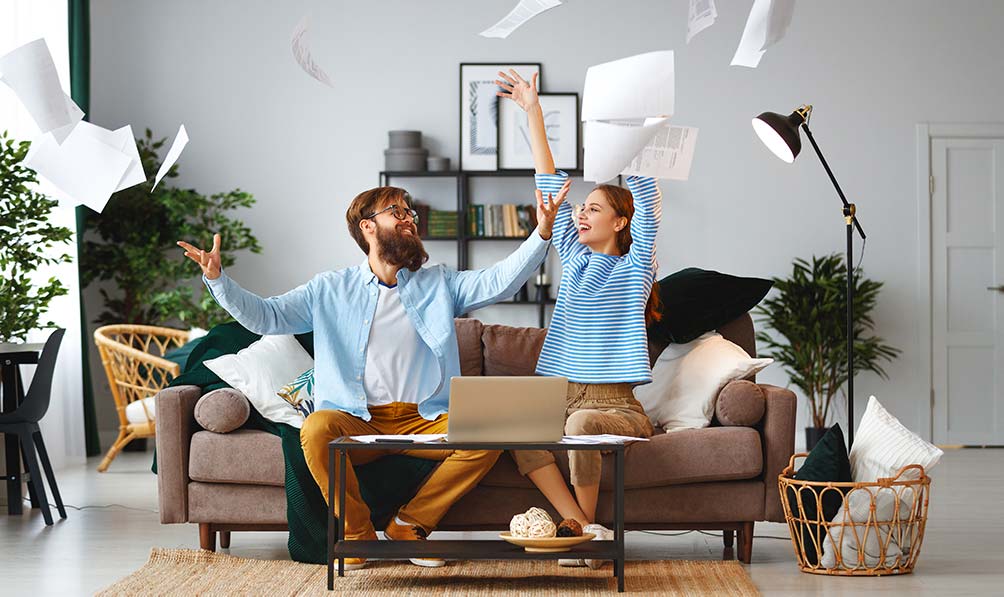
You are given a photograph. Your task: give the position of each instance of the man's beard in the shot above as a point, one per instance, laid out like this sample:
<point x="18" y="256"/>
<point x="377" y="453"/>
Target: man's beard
<point x="400" y="249"/>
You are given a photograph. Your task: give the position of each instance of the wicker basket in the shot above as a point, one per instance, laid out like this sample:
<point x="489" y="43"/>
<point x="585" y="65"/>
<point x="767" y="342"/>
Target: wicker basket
<point x="878" y="528"/>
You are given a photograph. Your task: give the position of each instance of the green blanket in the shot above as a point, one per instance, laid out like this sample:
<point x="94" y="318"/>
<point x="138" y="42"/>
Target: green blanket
<point x="385" y="484"/>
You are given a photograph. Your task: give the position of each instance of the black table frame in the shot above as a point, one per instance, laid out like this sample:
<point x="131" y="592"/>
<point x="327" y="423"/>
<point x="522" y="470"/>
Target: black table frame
<point x="474" y="549"/>
<point x="13" y="394"/>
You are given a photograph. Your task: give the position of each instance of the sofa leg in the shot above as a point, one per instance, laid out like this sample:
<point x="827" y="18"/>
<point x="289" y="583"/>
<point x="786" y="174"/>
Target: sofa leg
<point x="207" y="537"/>
<point x="727" y="536"/>
<point x="225" y="539"/>
<point x="746" y="542"/>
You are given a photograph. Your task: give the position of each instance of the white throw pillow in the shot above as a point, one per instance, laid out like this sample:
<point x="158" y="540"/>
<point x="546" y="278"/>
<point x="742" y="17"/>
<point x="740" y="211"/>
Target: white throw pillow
<point x="260" y="370"/>
<point x="881" y="541"/>
<point x="883" y="445"/>
<point x="687" y="378"/>
<point x="136" y="414"/>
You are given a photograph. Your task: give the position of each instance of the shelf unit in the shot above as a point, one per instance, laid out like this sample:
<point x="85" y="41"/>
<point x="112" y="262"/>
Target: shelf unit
<point x="463" y="179"/>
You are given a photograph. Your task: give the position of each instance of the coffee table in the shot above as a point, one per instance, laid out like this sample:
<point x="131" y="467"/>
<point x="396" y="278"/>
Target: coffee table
<point x="469" y="549"/>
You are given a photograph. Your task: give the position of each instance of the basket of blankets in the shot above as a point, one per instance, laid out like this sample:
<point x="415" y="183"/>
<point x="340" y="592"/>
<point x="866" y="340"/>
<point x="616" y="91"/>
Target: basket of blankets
<point x="863" y="513"/>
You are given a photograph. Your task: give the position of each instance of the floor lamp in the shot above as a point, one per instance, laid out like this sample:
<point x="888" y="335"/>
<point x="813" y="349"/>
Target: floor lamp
<point x="780" y="135"/>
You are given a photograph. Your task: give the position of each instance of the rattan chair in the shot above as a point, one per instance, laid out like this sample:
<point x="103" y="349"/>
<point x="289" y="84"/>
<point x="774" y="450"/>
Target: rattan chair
<point x="136" y="370"/>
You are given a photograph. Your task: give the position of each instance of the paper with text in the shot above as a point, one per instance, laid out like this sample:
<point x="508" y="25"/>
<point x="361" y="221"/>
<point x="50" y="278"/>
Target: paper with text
<point x="701" y="14"/>
<point x="610" y="147"/>
<point x="668" y="155"/>
<point x="518" y="16"/>
<point x="418" y="438"/>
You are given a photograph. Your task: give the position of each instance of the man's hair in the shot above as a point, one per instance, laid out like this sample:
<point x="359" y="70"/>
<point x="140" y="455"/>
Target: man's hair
<point x="368" y="202"/>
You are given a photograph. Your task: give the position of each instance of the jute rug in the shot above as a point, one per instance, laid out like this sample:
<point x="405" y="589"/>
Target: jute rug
<point x="191" y="572"/>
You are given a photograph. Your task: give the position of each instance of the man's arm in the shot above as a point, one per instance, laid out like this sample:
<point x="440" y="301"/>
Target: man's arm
<point x="289" y="313"/>
<point x="473" y="289"/>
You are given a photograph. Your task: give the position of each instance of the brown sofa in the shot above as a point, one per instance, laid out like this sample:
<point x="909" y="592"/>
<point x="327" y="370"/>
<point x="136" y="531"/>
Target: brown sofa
<point x="717" y="478"/>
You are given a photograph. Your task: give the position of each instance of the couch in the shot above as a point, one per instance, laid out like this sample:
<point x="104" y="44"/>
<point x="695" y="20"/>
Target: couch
<point x="717" y="478"/>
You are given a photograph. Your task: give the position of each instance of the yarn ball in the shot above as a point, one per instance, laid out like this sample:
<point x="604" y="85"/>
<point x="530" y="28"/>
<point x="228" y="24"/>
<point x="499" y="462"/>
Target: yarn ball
<point x="569" y="528"/>
<point x="534" y="523"/>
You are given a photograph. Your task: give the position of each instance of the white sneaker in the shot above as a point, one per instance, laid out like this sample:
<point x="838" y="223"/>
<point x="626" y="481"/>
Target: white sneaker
<point x="602" y="534"/>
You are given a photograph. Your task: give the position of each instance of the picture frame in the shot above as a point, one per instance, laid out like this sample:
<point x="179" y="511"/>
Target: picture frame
<point x="561" y="123"/>
<point x="479" y="110"/>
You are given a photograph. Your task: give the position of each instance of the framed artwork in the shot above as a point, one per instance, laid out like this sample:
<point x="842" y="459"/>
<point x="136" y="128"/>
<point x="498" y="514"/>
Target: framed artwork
<point x="479" y="110"/>
<point x="561" y="123"/>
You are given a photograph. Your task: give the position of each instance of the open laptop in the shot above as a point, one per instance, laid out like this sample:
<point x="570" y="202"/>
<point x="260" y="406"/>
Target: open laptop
<point x="507" y="409"/>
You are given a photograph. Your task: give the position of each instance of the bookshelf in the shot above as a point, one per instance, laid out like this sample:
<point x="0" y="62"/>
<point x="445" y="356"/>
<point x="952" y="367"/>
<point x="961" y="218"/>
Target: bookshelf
<point x="463" y="238"/>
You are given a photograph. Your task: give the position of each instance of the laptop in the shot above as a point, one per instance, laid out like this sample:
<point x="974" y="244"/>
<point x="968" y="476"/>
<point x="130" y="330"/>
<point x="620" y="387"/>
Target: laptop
<point x="507" y="409"/>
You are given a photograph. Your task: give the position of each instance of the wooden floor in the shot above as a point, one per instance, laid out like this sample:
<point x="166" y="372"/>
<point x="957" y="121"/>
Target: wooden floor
<point x="963" y="552"/>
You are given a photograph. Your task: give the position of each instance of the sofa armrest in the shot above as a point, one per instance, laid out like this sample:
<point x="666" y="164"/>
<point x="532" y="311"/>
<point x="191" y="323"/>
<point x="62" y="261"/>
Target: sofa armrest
<point x="175" y="426"/>
<point x="778" y="431"/>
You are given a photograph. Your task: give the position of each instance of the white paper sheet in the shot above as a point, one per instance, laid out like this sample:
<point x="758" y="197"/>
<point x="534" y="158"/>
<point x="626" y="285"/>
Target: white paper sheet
<point x="668" y="155"/>
<point x="301" y="52"/>
<point x="766" y="25"/>
<point x="701" y="14"/>
<point x="637" y="87"/>
<point x="611" y="146"/>
<point x="420" y="438"/>
<point x="85" y="168"/>
<point x="121" y="139"/>
<point x="605" y="438"/>
<point x="31" y="73"/>
<point x="518" y="16"/>
<point x="76" y="115"/>
<point x="180" y="141"/>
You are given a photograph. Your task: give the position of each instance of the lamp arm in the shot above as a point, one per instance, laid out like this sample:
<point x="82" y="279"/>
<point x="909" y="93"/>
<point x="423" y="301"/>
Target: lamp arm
<point x="847" y="206"/>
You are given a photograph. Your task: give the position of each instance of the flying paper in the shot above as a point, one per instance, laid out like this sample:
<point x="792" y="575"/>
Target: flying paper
<point x="30" y="72"/>
<point x="700" y="15"/>
<point x="518" y="16"/>
<point x="638" y="87"/>
<point x="180" y="141"/>
<point x="610" y="147"/>
<point x="301" y="52"/>
<point x="766" y="25"/>
<point x="668" y="155"/>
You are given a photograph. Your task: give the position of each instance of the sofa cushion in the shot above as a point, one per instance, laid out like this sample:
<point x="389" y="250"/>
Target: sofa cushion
<point x="222" y="410"/>
<point x="510" y="350"/>
<point x="244" y="456"/>
<point x="686" y="456"/>
<point x="741" y="403"/>
<point x="469" y="343"/>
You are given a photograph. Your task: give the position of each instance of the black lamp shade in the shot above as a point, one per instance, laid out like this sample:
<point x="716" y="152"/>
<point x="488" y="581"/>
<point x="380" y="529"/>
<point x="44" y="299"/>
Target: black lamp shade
<point x="780" y="133"/>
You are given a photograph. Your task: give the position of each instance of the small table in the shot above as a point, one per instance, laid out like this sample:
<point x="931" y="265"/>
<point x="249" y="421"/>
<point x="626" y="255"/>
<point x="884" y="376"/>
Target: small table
<point x="472" y="549"/>
<point x="11" y="357"/>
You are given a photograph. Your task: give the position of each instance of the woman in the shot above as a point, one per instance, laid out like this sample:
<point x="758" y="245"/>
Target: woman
<point x="597" y="336"/>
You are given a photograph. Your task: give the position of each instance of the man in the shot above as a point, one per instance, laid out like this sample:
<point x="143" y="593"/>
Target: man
<point x="385" y="347"/>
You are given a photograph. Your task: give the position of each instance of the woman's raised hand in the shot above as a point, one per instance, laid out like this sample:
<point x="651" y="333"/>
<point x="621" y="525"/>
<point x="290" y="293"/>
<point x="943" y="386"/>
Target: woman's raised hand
<point x="518" y="89"/>
<point x="546" y="213"/>
<point x="209" y="262"/>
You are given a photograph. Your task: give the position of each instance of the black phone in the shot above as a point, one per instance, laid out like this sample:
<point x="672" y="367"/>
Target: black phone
<point x="394" y="440"/>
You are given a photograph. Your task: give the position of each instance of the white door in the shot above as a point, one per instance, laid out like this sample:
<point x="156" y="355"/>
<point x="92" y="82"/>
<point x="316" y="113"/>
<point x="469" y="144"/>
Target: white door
<point x="967" y="285"/>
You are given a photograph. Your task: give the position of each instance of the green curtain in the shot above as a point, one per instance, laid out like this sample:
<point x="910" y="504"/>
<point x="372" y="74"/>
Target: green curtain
<point x="79" y="12"/>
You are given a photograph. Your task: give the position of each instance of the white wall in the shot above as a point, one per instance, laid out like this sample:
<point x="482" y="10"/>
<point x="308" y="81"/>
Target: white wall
<point x="873" y="70"/>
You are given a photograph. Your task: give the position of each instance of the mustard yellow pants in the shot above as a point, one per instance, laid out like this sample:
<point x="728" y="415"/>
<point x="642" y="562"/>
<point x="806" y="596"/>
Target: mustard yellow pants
<point x="460" y="471"/>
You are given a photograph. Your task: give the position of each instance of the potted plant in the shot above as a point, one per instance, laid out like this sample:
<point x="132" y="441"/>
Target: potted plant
<point x="26" y="242"/>
<point x="808" y="314"/>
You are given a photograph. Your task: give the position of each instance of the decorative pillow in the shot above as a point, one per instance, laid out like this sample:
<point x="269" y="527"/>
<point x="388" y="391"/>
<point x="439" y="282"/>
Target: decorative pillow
<point x="222" y="410"/>
<point x="741" y="403"/>
<point x="883" y="445"/>
<point x="876" y="543"/>
<point x="826" y="462"/>
<point x="695" y="301"/>
<point x="260" y="370"/>
<point x="136" y="411"/>
<point x="299" y="393"/>
<point x="687" y="378"/>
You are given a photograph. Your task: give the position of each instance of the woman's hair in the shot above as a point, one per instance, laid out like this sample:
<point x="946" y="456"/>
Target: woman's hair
<point x="622" y="202"/>
<point x="368" y="202"/>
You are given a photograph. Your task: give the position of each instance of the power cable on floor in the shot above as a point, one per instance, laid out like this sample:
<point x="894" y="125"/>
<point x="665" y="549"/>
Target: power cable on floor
<point x="78" y="508"/>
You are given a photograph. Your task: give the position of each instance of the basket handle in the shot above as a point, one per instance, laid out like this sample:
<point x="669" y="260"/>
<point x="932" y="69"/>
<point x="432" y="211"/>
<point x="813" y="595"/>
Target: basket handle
<point x="790" y="469"/>
<point x="887" y="481"/>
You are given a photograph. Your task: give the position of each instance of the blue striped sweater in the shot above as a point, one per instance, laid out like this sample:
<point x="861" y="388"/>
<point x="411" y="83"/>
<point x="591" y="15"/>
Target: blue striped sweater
<point x="597" y="333"/>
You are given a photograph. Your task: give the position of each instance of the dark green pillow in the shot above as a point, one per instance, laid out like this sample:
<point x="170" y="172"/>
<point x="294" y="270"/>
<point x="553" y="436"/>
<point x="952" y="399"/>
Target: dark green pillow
<point x="695" y="301"/>
<point x="828" y="461"/>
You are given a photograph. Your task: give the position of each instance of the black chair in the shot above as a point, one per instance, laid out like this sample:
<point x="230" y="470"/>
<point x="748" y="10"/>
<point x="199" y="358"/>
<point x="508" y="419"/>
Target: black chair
<point x="24" y="422"/>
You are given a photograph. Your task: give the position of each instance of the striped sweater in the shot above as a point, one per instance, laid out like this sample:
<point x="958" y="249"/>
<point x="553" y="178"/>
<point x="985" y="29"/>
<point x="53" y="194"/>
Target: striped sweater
<point x="597" y="334"/>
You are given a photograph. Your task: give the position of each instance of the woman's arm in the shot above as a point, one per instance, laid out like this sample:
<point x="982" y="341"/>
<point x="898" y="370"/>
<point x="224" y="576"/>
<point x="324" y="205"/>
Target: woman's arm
<point x="646" y="219"/>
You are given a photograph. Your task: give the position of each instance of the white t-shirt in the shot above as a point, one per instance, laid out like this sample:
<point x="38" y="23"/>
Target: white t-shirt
<point x="395" y="350"/>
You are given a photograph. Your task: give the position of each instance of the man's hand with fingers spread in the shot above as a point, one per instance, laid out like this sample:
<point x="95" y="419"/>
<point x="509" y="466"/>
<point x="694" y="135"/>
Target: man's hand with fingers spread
<point x="208" y="261"/>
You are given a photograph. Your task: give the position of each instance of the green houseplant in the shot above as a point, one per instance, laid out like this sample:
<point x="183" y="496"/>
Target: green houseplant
<point x="26" y="240"/>
<point x="132" y="244"/>
<point x="808" y="312"/>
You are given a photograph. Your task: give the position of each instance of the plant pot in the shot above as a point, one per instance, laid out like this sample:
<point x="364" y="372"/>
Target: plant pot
<point x="813" y="435"/>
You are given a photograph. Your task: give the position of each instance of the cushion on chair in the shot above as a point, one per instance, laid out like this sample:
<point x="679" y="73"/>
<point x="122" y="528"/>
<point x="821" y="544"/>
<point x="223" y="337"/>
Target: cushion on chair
<point x="136" y="415"/>
<point x="741" y="403"/>
<point x="223" y="410"/>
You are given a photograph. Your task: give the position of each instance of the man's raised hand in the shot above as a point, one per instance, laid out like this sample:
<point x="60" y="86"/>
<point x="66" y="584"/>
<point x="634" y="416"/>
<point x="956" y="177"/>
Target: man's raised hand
<point x="208" y="261"/>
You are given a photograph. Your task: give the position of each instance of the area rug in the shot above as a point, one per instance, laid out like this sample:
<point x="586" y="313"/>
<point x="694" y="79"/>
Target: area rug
<point x="191" y="572"/>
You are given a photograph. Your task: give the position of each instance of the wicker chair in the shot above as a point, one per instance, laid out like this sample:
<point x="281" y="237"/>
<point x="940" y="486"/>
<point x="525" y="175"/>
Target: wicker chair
<point x="136" y="370"/>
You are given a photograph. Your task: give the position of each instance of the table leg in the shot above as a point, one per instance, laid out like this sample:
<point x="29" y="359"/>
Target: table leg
<point x="619" y="516"/>
<point x="341" y="505"/>
<point x="331" y="521"/>
<point x="11" y="448"/>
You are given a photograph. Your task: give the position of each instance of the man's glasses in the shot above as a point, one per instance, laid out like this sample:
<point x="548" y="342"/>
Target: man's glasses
<point x="399" y="212"/>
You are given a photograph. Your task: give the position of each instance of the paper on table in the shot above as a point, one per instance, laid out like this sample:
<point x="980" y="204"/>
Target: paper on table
<point x="604" y="438"/>
<point x="180" y="141"/>
<point x="84" y="167"/>
<point x="518" y="16"/>
<point x="418" y="438"/>
<point x="611" y="146"/>
<point x="31" y="73"/>
<point x="668" y="155"/>
<point x="301" y="52"/>
<point x="700" y="15"/>
<point x="767" y="23"/>
<point x="637" y="87"/>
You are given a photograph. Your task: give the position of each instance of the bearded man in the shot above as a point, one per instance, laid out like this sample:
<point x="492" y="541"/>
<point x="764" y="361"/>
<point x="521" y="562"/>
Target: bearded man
<point x="385" y="347"/>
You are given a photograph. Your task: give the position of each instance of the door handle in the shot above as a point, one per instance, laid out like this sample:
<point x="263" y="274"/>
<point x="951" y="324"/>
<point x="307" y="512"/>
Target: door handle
<point x="997" y="288"/>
